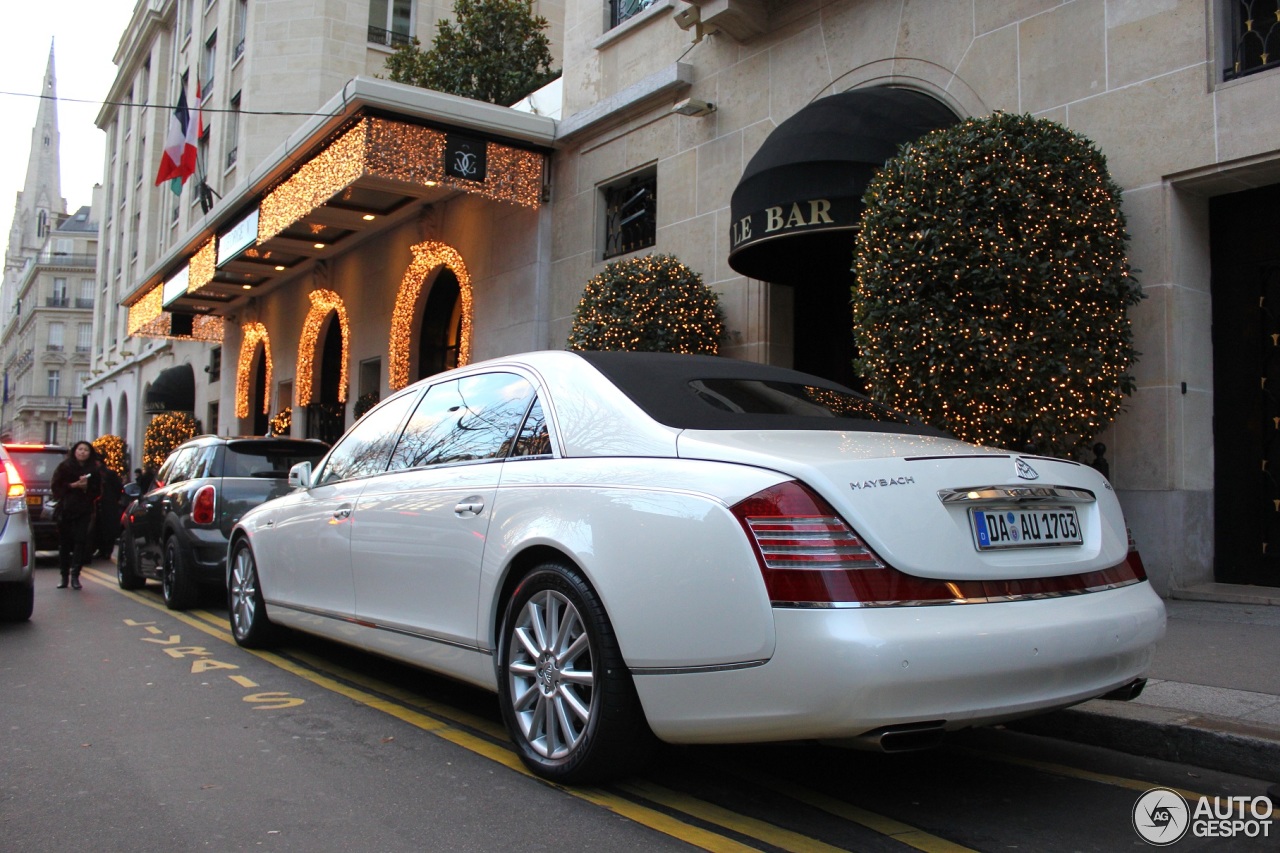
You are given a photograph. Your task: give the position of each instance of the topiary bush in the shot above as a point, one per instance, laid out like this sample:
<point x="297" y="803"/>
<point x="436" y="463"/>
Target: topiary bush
<point x="165" y="432"/>
<point x="648" y="304"/>
<point x="993" y="285"/>
<point x="281" y="422"/>
<point x="111" y="449"/>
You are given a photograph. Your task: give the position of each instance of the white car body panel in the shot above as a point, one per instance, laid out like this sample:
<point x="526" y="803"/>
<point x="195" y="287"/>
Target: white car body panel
<point x="841" y="673"/>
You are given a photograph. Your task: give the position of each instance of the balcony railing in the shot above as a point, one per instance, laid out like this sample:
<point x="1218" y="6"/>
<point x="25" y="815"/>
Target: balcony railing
<point x="387" y="38"/>
<point x="66" y="260"/>
<point x="53" y="347"/>
<point x="57" y="302"/>
<point x="82" y="302"/>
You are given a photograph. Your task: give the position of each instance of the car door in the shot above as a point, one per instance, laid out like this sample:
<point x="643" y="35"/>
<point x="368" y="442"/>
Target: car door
<point x="303" y="544"/>
<point x="420" y="528"/>
<point x="147" y="518"/>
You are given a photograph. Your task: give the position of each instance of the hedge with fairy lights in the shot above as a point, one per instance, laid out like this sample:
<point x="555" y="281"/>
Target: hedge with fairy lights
<point x="111" y="450"/>
<point x="165" y="432"/>
<point x="648" y="304"/>
<point x="281" y="422"/>
<point x="992" y="285"/>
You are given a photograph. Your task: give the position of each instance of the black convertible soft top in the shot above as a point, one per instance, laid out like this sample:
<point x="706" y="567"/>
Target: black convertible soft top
<point x="715" y="393"/>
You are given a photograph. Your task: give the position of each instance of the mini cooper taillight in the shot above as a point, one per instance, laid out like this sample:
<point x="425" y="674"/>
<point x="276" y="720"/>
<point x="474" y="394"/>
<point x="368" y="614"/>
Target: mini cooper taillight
<point x="202" y="505"/>
<point x="810" y="557"/>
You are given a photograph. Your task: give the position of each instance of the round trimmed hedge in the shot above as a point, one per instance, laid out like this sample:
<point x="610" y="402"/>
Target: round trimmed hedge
<point x="648" y="304"/>
<point x="993" y="284"/>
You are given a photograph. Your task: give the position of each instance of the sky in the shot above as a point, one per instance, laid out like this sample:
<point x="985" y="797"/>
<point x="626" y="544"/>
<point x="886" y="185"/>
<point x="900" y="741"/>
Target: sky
<point x="84" y="34"/>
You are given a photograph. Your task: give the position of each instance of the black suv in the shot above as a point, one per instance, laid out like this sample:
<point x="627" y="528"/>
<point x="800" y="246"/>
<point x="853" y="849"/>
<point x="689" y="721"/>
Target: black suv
<point x="35" y="462"/>
<point x="177" y="532"/>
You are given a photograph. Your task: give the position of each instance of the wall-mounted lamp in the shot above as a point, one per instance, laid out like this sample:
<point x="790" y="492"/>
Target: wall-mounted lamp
<point x="693" y="107"/>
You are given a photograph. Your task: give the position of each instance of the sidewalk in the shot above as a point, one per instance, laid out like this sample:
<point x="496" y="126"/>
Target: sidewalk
<point x="1213" y="695"/>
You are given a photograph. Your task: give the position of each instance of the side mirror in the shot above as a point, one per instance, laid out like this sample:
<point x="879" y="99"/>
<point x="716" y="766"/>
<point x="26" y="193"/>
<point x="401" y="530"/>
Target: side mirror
<point x="131" y="490"/>
<point x="300" y="475"/>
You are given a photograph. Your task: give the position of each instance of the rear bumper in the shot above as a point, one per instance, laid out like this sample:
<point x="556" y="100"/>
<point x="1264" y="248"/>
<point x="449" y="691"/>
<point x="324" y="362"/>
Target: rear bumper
<point x="206" y="554"/>
<point x="12" y="567"/>
<point x="839" y="674"/>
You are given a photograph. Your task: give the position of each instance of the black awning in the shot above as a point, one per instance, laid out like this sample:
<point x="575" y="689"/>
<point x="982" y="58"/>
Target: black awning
<point x="173" y="391"/>
<point x="800" y="198"/>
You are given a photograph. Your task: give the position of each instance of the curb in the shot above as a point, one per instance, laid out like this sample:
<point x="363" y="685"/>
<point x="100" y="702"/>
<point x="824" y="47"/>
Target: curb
<point x="1216" y="743"/>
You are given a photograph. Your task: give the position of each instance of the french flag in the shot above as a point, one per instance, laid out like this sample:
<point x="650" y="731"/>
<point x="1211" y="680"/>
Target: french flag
<point x="179" y="159"/>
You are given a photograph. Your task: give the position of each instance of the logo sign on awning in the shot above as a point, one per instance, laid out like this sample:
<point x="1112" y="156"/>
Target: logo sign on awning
<point x="175" y="287"/>
<point x="464" y="157"/>
<point x="238" y="238"/>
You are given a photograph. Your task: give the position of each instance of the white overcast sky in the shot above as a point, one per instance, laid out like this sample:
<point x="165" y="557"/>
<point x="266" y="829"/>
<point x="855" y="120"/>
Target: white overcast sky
<point x="84" y="34"/>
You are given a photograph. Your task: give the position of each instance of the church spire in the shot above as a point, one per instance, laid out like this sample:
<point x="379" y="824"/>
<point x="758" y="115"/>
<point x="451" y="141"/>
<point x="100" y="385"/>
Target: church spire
<point x="40" y="205"/>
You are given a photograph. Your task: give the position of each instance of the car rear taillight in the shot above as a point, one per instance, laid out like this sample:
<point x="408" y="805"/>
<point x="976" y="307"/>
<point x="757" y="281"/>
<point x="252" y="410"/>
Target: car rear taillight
<point x="809" y="556"/>
<point x="202" y="505"/>
<point x="15" y="497"/>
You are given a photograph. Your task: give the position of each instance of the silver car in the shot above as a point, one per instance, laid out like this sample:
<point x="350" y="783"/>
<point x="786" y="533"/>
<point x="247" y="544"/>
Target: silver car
<point x="17" y="556"/>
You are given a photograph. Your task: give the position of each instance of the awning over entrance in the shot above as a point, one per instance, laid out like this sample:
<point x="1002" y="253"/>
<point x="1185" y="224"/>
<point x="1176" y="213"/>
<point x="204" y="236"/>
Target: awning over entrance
<point x="173" y="391"/>
<point x="800" y="198"/>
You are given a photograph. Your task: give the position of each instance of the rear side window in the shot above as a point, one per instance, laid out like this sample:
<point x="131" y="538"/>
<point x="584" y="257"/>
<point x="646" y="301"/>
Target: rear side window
<point x="37" y="467"/>
<point x="466" y="420"/>
<point x="181" y="466"/>
<point x="367" y="445"/>
<point x="534" y="439"/>
<point x="263" y="459"/>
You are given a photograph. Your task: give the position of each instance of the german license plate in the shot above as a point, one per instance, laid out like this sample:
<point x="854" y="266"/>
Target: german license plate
<point x="34" y="500"/>
<point x="1025" y="527"/>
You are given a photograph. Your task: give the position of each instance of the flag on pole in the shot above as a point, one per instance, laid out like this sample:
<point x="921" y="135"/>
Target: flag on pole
<point x="68" y="412"/>
<point x="178" y="162"/>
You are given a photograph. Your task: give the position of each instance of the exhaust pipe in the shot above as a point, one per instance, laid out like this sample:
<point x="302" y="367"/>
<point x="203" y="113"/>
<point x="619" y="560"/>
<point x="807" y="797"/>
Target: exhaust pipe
<point x="907" y="737"/>
<point x="1126" y="692"/>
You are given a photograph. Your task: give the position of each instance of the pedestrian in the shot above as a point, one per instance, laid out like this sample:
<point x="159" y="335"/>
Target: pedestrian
<point x="76" y="486"/>
<point x="107" y="517"/>
<point x="144" y="477"/>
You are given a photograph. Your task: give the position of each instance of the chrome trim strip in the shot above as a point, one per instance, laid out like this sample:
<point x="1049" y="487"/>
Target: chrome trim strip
<point x="364" y="623"/>
<point x="696" y="670"/>
<point x="996" y="599"/>
<point x="1015" y="494"/>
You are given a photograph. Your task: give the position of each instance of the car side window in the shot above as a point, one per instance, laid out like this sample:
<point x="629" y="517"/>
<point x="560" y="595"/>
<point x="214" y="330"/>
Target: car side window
<point x="204" y="460"/>
<point x="365" y="448"/>
<point x="534" y="439"/>
<point x="465" y="420"/>
<point x="181" y="466"/>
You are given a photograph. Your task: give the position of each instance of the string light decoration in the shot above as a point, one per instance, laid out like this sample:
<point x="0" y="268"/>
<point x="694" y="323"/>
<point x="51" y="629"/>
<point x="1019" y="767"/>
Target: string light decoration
<point x="993" y="284"/>
<point x="427" y="256"/>
<point x="396" y="151"/>
<point x="165" y="432"/>
<point x="281" y="422"/>
<point x="252" y="334"/>
<point x="648" y="304"/>
<point x="202" y="265"/>
<point x="322" y="302"/>
<point x="110" y="450"/>
<point x="148" y="319"/>
<point x="146" y="310"/>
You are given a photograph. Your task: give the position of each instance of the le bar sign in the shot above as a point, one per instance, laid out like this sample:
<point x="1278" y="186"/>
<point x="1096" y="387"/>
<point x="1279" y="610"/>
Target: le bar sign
<point x="464" y="157"/>
<point x="810" y="214"/>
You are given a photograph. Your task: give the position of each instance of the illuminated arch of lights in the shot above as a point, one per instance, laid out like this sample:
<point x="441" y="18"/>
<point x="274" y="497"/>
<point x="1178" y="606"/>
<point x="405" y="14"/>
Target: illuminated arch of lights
<point x="252" y="335"/>
<point x="322" y="302"/>
<point x="426" y="257"/>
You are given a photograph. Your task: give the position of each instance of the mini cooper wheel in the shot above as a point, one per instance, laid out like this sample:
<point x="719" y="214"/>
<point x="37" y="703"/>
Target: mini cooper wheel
<point x="248" y="612"/>
<point x="180" y="590"/>
<point x="567" y="698"/>
<point x="127" y="575"/>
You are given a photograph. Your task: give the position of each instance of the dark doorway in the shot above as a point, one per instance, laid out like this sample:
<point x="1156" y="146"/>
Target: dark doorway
<point x="258" y="394"/>
<point x="1246" y="386"/>
<point x="327" y="416"/>
<point x="441" y="332"/>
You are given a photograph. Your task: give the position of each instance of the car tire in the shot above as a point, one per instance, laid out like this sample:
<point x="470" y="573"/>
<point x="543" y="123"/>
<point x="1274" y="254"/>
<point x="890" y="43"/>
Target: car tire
<point x="17" y="601"/>
<point x="246" y="608"/>
<point x="127" y="575"/>
<point x="180" y="590"/>
<point x="567" y="697"/>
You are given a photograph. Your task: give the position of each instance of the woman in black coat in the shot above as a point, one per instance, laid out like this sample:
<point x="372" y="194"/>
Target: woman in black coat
<point x="76" y="486"/>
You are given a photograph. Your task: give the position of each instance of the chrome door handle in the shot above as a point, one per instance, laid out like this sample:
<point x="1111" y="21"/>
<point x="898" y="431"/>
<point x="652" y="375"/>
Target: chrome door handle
<point x="345" y="512"/>
<point x="470" y="506"/>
